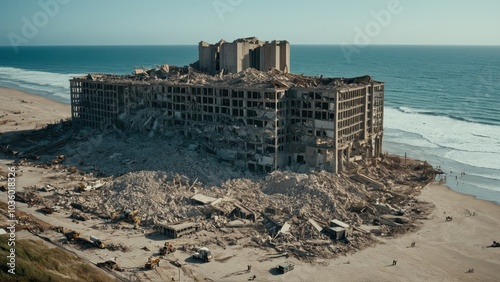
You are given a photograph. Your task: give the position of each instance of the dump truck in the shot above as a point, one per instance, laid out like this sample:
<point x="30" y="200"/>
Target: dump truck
<point x="168" y="248"/>
<point x="204" y="254"/>
<point x="285" y="267"/>
<point x="152" y="263"/>
<point x="97" y="242"/>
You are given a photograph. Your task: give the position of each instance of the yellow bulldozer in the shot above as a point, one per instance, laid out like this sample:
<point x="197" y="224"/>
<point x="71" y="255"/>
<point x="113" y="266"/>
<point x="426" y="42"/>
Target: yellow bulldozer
<point x="168" y="248"/>
<point x="152" y="263"/>
<point x="72" y="235"/>
<point x="128" y="216"/>
<point x="97" y="242"/>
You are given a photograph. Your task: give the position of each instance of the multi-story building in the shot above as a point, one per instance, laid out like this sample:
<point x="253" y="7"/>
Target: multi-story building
<point x="258" y="120"/>
<point x="243" y="53"/>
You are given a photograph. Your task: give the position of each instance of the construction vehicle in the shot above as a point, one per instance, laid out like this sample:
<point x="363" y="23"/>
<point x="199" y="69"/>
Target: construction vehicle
<point x="128" y="216"/>
<point x="168" y="248"/>
<point x="71" y="235"/>
<point x="97" y="242"/>
<point x="47" y="210"/>
<point x="285" y="267"/>
<point x="110" y="265"/>
<point x="152" y="263"/>
<point x="204" y="254"/>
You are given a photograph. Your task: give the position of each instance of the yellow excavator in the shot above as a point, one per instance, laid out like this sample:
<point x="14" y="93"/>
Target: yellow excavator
<point x="168" y="248"/>
<point x="152" y="263"/>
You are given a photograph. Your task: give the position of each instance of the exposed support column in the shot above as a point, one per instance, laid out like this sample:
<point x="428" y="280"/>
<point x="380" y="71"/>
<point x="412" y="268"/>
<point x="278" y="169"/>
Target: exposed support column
<point x="276" y="131"/>
<point x="336" y="133"/>
<point x="348" y="155"/>
<point x="365" y="115"/>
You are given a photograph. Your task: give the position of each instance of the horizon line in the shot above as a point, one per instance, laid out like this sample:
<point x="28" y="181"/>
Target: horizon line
<point x="299" y="44"/>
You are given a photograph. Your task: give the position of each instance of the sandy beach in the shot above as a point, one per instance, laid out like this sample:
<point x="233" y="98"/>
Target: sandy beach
<point x="444" y="250"/>
<point x="23" y="111"/>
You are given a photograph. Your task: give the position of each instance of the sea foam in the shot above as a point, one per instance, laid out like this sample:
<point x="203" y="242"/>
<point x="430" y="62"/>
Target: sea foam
<point x="53" y="85"/>
<point x="470" y="143"/>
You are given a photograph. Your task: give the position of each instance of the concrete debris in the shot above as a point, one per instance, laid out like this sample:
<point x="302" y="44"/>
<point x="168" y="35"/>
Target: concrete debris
<point x="168" y="183"/>
<point x="272" y="78"/>
<point x="257" y="120"/>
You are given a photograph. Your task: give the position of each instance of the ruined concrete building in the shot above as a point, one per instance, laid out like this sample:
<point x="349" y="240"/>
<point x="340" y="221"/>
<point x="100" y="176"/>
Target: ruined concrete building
<point x="258" y="120"/>
<point x="242" y="54"/>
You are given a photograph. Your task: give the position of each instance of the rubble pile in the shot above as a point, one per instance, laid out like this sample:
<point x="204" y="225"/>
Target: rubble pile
<point x="112" y="153"/>
<point x="294" y="199"/>
<point x="257" y="79"/>
<point x="286" y="210"/>
<point x="158" y="196"/>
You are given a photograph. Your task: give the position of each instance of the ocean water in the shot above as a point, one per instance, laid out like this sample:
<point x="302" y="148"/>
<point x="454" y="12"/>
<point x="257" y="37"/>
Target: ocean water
<point x="442" y="103"/>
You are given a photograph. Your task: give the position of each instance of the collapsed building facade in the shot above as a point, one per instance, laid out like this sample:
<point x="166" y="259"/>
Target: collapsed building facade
<point x="258" y="120"/>
<point x="243" y="53"/>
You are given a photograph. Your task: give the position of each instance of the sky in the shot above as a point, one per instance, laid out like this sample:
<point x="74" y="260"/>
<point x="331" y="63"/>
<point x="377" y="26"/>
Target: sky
<point x="167" y="22"/>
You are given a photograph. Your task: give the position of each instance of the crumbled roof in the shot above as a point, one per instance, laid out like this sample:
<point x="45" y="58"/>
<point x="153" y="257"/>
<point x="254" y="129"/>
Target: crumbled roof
<point x="249" y="78"/>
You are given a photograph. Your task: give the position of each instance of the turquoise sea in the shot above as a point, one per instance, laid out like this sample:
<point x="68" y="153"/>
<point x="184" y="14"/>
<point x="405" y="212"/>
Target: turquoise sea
<point x="442" y="103"/>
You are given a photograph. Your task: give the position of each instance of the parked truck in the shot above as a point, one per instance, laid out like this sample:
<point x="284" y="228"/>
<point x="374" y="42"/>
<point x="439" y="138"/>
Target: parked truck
<point x="204" y="254"/>
<point x="285" y="267"/>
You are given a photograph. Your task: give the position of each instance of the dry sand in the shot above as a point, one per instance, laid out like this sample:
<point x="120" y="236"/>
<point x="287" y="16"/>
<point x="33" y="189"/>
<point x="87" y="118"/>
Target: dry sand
<point x="23" y="111"/>
<point x="444" y="251"/>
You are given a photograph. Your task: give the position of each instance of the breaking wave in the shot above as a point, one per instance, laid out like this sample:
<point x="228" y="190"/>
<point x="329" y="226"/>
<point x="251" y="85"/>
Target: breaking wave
<point x="484" y="119"/>
<point x="471" y="143"/>
<point x="52" y="85"/>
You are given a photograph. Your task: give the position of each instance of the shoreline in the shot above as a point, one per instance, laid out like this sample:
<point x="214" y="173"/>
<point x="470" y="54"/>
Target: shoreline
<point x="444" y="251"/>
<point x="466" y="188"/>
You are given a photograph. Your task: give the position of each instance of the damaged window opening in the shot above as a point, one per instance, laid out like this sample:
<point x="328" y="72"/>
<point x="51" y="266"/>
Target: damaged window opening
<point x="251" y="109"/>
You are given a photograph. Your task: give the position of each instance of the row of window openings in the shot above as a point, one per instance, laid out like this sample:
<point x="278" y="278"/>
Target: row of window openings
<point x="353" y="112"/>
<point x="352" y="103"/>
<point x="352" y="94"/>
<point x="350" y="121"/>
<point x="315" y="115"/>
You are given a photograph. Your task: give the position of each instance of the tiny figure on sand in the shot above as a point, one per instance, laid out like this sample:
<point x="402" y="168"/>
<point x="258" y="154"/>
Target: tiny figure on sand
<point x="495" y="245"/>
